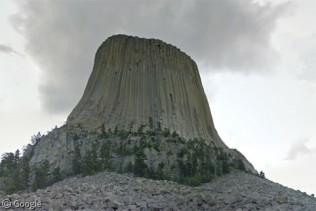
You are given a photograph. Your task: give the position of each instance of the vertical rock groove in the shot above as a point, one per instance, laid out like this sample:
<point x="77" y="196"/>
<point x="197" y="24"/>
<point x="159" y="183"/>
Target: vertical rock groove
<point x="134" y="79"/>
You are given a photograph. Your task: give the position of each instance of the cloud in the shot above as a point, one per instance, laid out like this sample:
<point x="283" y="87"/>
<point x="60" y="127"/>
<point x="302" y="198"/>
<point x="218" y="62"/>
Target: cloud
<point x="298" y="149"/>
<point x="306" y="49"/>
<point x="62" y="36"/>
<point x="8" y="49"/>
<point x="298" y="174"/>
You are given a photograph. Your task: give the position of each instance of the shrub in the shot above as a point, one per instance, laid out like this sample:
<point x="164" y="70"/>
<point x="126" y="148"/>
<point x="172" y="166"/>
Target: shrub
<point x="139" y="163"/>
<point x="130" y="127"/>
<point x="129" y="167"/>
<point x="105" y="154"/>
<point x="169" y="153"/>
<point x="151" y="123"/>
<point x="140" y="130"/>
<point x="182" y="152"/>
<point x="56" y="175"/>
<point x="76" y="162"/>
<point x="156" y="146"/>
<point x="116" y="130"/>
<point x="75" y="137"/>
<point x="89" y="163"/>
<point x="159" y="127"/>
<point x="104" y="134"/>
<point x="241" y="165"/>
<point x="175" y="134"/>
<point x="166" y="132"/>
<point x="262" y="175"/>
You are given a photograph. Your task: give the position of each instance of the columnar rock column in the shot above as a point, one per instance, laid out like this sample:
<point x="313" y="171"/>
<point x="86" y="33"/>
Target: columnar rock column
<point x="135" y="79"/>
<point x="136" y="82"/>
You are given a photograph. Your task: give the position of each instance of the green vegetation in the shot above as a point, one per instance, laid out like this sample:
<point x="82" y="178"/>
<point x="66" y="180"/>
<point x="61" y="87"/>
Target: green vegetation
<point x="151" y="123"/>
<point x="241" y="165"/>
<point x="262" y="175"/>
<point x="9" y="170"/>
<point x="195" y="162"/>
<point x="140" y="130"/>
<point x="166" y="132"/>
<point x="44" y="177"/>
<point x="139" y="163"/>
<point x="89" y="163"/>
<point x="189" y="162"/>
<point x="104" y="134"/>
<point x="75" y="137"/>
<point x="76" y="163"/>
<point x="105" y="154"/>
<point x="15" y="170"/>
<point x="41" y="175"/>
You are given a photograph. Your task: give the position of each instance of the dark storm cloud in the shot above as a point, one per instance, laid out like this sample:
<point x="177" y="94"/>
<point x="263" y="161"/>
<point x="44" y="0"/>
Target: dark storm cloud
<point x="62" y="36"/>
<point x="8" y="49"/>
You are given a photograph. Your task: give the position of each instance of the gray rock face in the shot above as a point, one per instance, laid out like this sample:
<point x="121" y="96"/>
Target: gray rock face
<point x="135" y="82"/>
<point x="135" y="79"/>
<point x="57" y="147"/>
<point x="111" y="191"/>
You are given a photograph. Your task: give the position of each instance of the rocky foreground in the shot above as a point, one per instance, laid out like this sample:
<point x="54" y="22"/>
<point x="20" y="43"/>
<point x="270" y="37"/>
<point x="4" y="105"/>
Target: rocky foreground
<point x="112" y="191"/>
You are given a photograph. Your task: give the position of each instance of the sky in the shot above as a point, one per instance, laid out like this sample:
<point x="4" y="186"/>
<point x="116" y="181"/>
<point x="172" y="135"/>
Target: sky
<point x="257" y="61"/>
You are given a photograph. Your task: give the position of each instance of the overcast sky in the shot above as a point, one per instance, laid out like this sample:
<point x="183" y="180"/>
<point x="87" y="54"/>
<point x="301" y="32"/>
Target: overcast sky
<point x="257" y="61"/>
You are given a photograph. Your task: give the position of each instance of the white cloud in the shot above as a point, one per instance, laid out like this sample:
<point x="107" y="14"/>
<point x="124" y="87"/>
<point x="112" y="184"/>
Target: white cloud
<point x="18" y="125"/>
<point x="299" y="149"/>
<point x="7" y="49"/>
<point x="297" y="174"/>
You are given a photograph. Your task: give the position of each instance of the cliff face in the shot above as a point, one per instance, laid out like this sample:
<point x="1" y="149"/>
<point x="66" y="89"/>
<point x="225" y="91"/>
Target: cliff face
<point x="139" y="92"/>
<point x="134" y="80"/>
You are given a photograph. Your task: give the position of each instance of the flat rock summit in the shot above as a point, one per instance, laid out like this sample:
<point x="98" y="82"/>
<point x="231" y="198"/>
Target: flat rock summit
<point x="141" y="137"/>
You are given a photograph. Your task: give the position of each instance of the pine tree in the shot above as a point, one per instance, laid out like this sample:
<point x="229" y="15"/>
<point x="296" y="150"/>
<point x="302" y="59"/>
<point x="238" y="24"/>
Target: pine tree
<point x="105" y="154"/>
<point x="139" y="164"/>
<point x="41" y="175"/>
<point x="76" y="163"/>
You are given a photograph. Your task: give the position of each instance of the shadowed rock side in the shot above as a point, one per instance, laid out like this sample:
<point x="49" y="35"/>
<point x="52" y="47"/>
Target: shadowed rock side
<point x="135" y="79"/>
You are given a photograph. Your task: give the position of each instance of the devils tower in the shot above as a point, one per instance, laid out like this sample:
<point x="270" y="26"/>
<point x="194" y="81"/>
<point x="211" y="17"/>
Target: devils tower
<point x="143" y="112"/>
<point x="135" y="79"/>
<point x="144" y="97"/>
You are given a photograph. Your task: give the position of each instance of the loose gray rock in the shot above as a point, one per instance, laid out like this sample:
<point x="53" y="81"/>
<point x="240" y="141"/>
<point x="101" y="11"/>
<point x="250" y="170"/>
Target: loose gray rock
<point x="112" y="191"/>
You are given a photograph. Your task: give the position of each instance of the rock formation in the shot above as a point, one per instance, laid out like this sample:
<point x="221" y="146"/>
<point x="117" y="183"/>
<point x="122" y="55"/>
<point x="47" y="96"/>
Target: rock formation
<point x="135" y="84"/>
<point x="135" y="79"/>
<point x="144" y="113"/>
